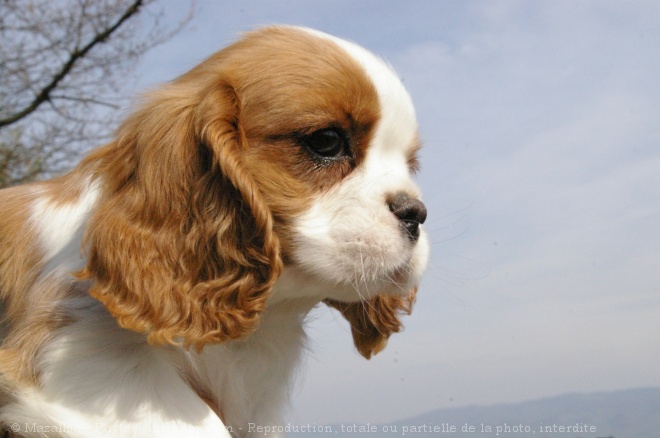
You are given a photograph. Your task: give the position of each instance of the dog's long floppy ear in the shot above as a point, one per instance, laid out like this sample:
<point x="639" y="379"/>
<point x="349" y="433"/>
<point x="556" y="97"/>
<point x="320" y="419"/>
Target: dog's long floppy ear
<point x="373" y="321"/>
<point x="181" y="246"/>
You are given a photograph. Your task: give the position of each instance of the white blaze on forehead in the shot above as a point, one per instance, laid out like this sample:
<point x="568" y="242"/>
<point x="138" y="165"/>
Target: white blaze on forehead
<point x="397" y="127"/>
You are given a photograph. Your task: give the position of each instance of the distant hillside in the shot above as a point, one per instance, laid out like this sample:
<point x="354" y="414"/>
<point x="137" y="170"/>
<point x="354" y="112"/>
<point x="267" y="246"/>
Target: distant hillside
<point x="631" y="413"/>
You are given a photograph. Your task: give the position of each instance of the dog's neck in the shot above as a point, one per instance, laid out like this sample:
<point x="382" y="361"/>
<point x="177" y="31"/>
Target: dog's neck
<point x="242" y="378"/>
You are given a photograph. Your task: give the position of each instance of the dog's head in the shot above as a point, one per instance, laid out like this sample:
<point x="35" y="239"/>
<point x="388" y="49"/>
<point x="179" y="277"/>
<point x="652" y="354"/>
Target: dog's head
<point x="288" y="155"/>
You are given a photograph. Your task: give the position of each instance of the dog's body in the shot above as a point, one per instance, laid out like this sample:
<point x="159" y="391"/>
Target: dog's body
<point x="160" y="288"/>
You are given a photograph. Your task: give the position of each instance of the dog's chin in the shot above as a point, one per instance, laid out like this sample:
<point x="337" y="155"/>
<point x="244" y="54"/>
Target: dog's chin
<point x="384" y="287"/>
<point x="298" y="283"/>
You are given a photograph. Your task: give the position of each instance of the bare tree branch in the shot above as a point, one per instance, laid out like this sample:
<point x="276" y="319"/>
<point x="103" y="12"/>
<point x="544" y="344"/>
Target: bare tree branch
<point x="44" y="94"/>
<point x="64" y="68"/>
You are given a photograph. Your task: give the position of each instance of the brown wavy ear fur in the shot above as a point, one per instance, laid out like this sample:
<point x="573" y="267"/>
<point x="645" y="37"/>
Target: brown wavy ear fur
<point x="181" y="246"/>
<point x="373" y="321"/>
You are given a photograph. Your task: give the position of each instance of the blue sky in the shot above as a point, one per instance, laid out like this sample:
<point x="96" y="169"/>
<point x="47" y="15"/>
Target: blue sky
<point x="541" y="173"/>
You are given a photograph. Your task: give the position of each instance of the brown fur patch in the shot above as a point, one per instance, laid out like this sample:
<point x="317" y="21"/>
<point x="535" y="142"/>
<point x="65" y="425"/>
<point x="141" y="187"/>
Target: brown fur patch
<point x="375" y="320"/>
<point x="20" y="256"/>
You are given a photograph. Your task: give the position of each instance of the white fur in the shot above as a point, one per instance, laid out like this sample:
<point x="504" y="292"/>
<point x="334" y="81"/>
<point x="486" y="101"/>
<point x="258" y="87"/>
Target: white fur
<point x="101" y="381"/>
<point x="60" y="229"/>
<point x="58" y="224"/>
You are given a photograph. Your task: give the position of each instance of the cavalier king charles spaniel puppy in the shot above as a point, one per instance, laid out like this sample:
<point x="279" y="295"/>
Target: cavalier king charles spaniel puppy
<point x="161" y="287"/>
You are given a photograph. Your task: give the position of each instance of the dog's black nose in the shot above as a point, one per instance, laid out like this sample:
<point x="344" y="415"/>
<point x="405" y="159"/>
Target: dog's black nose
<point x="410" y="211"/>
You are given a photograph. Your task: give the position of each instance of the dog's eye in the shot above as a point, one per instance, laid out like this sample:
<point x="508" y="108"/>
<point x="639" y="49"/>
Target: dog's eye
<point x="327" y="143"/>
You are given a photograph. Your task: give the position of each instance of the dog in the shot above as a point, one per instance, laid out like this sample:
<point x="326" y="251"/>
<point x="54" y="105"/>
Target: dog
<point x="160" y="288"/>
